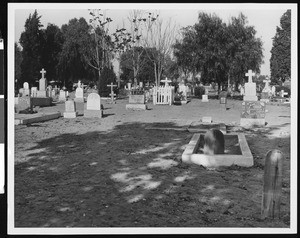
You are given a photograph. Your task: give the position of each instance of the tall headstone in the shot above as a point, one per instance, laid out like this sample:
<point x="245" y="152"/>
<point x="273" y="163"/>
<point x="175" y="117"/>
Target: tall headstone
<point x="250" y="88"/>
<point x="34" y="92"/>
<point x="26" y="91"/>
<point x="42" y="85"/>
<point x="62" y="95"/>
<point x="70" y="109"/>
<point x="93" y="106"/>
<point x="79" y="95"/>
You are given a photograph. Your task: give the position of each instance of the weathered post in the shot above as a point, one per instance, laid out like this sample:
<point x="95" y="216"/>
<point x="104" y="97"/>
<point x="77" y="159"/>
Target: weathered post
<point x="272" y="184"/>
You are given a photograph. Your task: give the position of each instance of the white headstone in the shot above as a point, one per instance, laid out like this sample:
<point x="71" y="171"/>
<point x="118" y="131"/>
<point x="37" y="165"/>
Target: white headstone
<point x="129" y="86"/>
<point x="62" y="95"/>
<point x="79" y="92"/>
<point x="70" y="109"/>
<point x="273" y="90"/>
<point x="267" y="87"/>
<point x="93" y="102"/>
<point x="250" y="88"/>
<point x="26" y="90"/>
<point x="42" y="81"/>
<point x="204" y="98"/>
<point x="34" y="92"/>
<point x="206" y="119"/>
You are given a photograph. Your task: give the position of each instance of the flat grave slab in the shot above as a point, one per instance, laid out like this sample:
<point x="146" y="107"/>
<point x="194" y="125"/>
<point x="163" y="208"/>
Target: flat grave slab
<point x="237" y="152"/>
<point x="200" y="127"/>
<point x="38" y="117"/>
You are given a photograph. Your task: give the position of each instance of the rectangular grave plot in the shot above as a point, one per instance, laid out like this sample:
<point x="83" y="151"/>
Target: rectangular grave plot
<point x="232" y="146"/>
<point x="231" y="156"/>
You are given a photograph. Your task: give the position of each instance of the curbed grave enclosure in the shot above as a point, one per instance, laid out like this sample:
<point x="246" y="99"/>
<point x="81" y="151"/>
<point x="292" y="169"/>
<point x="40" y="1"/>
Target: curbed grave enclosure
<point x="237" y="152"/>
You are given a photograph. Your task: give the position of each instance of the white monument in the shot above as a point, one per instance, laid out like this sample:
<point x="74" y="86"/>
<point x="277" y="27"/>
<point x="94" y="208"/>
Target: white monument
<point x="42" y="85"/>
<point x="250" y="88"/>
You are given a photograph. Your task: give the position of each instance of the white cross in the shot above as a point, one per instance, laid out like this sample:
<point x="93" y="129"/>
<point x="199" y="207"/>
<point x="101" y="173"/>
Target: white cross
<point x="249" y="75"/>
<point x="43" y="73"/>
<point x="166" y="81"/>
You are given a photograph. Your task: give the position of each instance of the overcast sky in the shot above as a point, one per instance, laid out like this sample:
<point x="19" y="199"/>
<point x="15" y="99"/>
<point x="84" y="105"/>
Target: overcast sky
<point x="264" y="17"/>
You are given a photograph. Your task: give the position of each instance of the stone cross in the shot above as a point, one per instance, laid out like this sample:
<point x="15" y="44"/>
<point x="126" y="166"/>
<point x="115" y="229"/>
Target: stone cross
<point x="249" y="75"/>
<point x="43" y="73"/>
<point x="166" y="81"/>
<point x="112" y="90"/>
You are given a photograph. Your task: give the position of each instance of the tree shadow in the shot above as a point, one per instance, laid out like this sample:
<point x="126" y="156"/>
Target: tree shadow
<point x="132" y="177"/>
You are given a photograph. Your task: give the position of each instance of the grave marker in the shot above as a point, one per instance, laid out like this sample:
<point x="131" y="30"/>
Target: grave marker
<point x="206" y="119"/>
<point x="204" y="98"/>
<point x="70" y="109"/>
<point x="112" y="92"/>
<point x="166" y="82"/>
<point x="250" y="88"/>
<point x="272" y="185"/>
<point x="42" y="85"/>
<point x="93" y="106"/>
<point x="26" y="91"/>
<point x="253" y="113"/>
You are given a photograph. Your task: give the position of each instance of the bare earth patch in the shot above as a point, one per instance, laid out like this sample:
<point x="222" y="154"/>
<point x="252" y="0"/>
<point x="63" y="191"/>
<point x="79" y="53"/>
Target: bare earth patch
<point x="113" y="172"/>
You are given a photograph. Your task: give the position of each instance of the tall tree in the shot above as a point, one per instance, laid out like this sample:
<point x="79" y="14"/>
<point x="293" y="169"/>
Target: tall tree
<point x="280" y="62"/>
<point x="161" y="35"/>
<point x="52" y="47"/>
<point x="30" y="41"/>
<point x="244" y="50"/>
<point x="72" y="64"/>
<point x="18" y="61"/>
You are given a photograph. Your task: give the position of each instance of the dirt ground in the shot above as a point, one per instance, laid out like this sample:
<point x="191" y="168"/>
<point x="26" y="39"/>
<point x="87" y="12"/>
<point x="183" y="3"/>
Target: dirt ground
<point x="116" y="172"/>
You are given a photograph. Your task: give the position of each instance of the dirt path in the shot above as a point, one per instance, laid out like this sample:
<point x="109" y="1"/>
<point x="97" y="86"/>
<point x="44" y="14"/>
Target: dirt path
<point x="113" y="172"/>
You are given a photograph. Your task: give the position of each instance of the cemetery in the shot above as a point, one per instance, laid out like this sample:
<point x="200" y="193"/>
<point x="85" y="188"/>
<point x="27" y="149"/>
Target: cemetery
<point x="101" y="164"/>
<point x="126" y="133"/>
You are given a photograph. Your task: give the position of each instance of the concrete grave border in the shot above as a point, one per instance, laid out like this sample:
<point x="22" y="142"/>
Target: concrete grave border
<point x="245" y="159"/>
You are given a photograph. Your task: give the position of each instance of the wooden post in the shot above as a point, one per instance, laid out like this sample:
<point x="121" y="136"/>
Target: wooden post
<point x="272" y="185"/>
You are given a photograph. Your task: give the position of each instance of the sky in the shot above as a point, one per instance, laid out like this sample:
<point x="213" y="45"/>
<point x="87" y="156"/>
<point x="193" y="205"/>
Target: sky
<point x="264" y="17"/>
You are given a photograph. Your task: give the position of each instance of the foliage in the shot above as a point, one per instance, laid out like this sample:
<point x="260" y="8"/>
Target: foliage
<point x="30" y="41"/>
<point x="18" y="61"/>
<point x="146" y="69"/>
<point x="72" y="65"/>
<point x="107" y="77"/>
<point x="286" y="89"/>
<point x="199" y="91"/>
<point x="51" y="49"/>
<point x="219" y="51"/>
<point x="280" y="62"/>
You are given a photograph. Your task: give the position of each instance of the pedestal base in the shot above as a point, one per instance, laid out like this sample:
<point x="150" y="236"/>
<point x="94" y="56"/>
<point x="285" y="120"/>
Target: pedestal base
<point x="93" y="113"/>
<point x="136" y="107"/>
<point x="70" y="114"/>
<point x="250" y="98"/>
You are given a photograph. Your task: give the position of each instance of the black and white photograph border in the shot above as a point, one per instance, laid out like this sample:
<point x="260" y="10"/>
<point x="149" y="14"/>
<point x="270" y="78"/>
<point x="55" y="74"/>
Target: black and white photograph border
<point x="49" y="147"/>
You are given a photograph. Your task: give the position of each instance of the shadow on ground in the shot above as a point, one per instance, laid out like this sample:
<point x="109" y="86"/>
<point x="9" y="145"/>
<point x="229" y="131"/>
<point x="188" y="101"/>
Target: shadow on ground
<point x="133" y="177"/>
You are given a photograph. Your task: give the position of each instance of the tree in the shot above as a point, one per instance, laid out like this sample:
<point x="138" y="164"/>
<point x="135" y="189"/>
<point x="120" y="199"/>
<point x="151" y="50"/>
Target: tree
<point x="18" y="62"/>
<point x="52" y="47"/>
<point x="30" y="41"/>
<point x="160" y="36"/>
<point x="280" y="62"/>
<point x="244" y="50"/>
<point x="72" y="64"/>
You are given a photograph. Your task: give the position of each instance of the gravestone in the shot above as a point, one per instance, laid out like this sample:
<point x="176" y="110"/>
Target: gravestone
<point x="24" y="105"/>
<point x="34" y="92"/>
<point x="26" y="91"/>
<point x="166" y="82"/>
<point x="273" y="90"/>
<point x="42" y="85"/>
<point x="79" y="99"/>
<point x="79" y="95"/>
<point x="272" y="185"/>
<point x="267" y="87"/>
<point x="250" y="88"/>
<point x="214" y="142"/>
<point x="70" y="109"/>
<point x="62" y="95"/>
<point x="204" y="98"/>
<point x="206" y="119"/>
<point x="112" y="92"/>
<point x="93" y="106"/>
<point x="136" y="102"/>
<point x="253" y="114"/>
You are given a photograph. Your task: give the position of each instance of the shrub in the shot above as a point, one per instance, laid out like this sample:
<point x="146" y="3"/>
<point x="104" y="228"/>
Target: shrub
<point x="286" y="89"/>
<point x="199" y="91"/>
